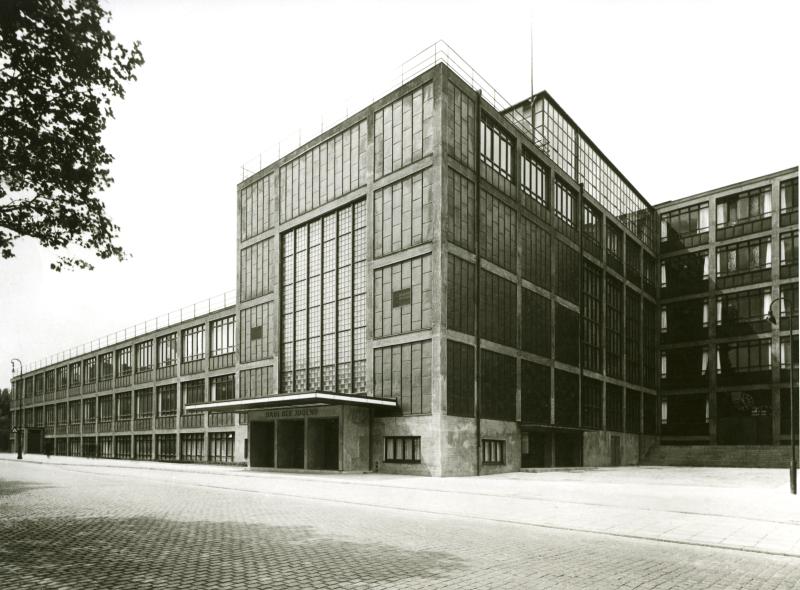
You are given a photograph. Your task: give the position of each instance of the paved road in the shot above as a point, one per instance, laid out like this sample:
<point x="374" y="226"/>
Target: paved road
<point x="84" y="524"/>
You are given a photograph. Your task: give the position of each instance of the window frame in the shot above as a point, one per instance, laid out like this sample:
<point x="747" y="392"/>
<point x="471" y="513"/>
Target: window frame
<point x="399" y="443"/>
<point x="495" y="449"/>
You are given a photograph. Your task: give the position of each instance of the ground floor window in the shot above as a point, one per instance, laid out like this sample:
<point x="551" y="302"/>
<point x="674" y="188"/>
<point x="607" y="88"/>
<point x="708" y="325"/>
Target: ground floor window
<point x="494" y="452"/>
<point x="75" y="447"/>
<point x="105" y="447"/>
<point x="220" y="447"/>
<point x="402" y="449"/>
<point x="61" y="446"/>
<point x="165" y="447"/>
<point x="143" y="447"/>
<point x="122" y="447"/>
<point x="192" y="447"/>
<point x="89" y="447"/>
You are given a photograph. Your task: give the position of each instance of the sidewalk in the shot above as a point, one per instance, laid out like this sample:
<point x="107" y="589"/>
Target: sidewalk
<point x="744" y="509"/>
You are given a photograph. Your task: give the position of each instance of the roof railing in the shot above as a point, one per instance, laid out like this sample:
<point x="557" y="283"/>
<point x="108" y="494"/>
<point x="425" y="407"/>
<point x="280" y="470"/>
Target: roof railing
<point x="172" y="318"/>
<point x="437" y="53"/>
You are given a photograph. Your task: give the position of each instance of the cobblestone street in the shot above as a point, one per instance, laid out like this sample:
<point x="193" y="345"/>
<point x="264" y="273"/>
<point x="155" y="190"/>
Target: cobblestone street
<point x="85" y="524"/>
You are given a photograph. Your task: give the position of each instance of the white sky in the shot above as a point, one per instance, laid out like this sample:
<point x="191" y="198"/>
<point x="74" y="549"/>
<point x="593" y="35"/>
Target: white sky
<point x="682" y="96"/>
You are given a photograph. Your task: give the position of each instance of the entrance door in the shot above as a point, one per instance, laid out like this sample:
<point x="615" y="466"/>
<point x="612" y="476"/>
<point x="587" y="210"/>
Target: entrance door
<point x="291" y="444"/>
<point x="323" y="443"/>
<point x="569" y="449"/>
<point x="262" y="444"/>
<point x="538" y="450"/>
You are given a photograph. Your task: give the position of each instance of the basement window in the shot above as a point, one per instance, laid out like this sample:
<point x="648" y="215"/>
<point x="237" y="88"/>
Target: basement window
<point x="402" y="449"/>
<point x="494" y="452"/>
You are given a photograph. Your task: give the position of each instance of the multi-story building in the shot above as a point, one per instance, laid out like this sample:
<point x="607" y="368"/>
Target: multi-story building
<point x="446" y="284"/>
<point x="127" y="400"/>
<point x="726" y="256"/>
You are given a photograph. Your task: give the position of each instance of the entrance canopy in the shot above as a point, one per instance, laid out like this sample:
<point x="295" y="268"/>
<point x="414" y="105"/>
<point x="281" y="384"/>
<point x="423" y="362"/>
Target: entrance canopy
<point x="308" y="398"/>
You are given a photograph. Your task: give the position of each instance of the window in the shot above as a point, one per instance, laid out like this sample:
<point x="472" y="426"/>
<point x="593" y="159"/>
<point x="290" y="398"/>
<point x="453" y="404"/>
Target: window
<point x="323" y="303"/>
<point x="743" y="256"/>
<point x="789" y="195"/>
<point x="74" y="374"/>
<point x="223" y="388"/>
<point x="167" y="400"/>
<point x="220" y="447"/>
<point x="106" y="366"/>
<point x="165" y="447"/>
<point x="613" y="327"/>
<point x="222" y="337"/>
<point x="402" y="449"/>
<point x="633" y="411"/>
<point x="496" y="149"/>
<point x="124" y="362"/>
<point x="498" y="379"/>
<point x="592" y="333"/>
<point x="50" y="381"/>
<point x="533" y="179"/>
<point x="403" y="131"/>
<point x="167" y="350"/>
<point x="789" y="301"/>
<point x="592" y="229"/>
<point x="61" y="377"/>
<point x="192" y="447"/>
<point x="123" y="447"/>
<point x="632" y="336"/>
<point x="90" y="370"/>
<point x="745" y="306"/>
<point x="106" y="408"/>
<point x="105" y="447"/>
<point x="745" y="206"/>
<point x="144" y="356"/>
<point x="683" y="222"/>
<point x="194" y="392"/>
<point x="124" y="406"/>
<point x="649" y="270"/>
<point x="613" y="243"/>
<point x="649" y="343"/>
<point x="61" y="413"/>
<point x="747" y="356"/>
<point x="685" y="270"/>
<point x="633" y="259"/>
<point x="564" y="201"/>
<point x="88" y="411"/>
<point x="143" y="446"/>
<point x="535" y="335"/>
<point x="194" y="344"/>
<point x="591" y="403"/>
<point x="789" y="249"/>
<point x="787" y="352"/>
<point x="144" y="403"/>
<point x="494" y="452"/>
<point x="38" y="384"/>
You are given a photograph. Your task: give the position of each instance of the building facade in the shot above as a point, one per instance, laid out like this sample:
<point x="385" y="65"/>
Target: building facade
<point x="446" y="285"/>
<point x="128" y="400"/>
<point x="727" y="256"/>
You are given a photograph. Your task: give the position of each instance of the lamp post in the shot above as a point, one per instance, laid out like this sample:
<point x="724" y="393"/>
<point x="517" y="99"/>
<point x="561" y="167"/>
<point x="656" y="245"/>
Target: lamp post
<point x="17" y="430"/>
<point x="793" y="464"/>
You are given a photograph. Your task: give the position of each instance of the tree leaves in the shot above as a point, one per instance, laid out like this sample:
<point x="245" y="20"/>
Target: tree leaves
<point x="59" y="70"/>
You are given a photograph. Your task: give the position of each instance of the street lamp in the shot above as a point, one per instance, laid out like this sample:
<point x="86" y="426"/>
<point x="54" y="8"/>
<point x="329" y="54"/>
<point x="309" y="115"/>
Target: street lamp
<point x="17" y="430"/>
<point x="793" y="464"/>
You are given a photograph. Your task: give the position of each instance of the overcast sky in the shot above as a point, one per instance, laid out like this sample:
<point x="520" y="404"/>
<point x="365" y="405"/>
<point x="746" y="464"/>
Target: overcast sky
<point x="682" y="96"/>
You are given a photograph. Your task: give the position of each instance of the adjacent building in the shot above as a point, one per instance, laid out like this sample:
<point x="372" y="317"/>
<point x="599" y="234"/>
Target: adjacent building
<point x="445" y="284"/>
<point x="727" y="258"/>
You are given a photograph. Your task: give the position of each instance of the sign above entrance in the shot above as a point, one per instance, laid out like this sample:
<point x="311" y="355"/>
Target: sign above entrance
<point x="291" y="413"/>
